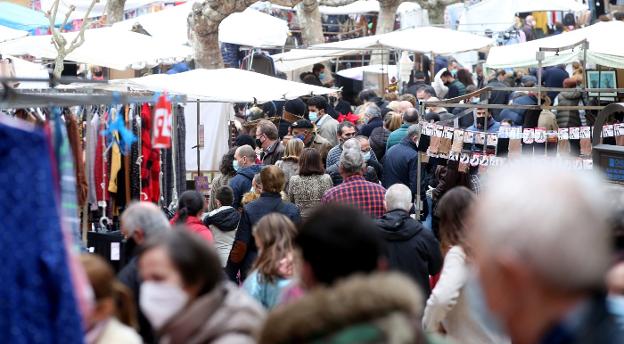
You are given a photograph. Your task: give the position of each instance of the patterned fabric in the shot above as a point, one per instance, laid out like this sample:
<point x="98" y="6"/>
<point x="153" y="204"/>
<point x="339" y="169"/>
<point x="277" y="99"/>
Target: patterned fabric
<point x="306" y="192"/>
<point x="357" y="192"/>
<point x="67" y="183"/>
<point x="38" y="304"/>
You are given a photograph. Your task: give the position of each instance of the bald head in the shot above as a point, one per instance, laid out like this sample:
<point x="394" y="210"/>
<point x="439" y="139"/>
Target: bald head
<point x="245" y="155"/>
<point x="404" y="105"/>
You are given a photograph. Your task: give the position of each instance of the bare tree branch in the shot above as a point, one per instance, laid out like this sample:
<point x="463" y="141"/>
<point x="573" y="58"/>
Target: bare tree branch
<point x="335" y="3"/>
<point x="59" y="41"/>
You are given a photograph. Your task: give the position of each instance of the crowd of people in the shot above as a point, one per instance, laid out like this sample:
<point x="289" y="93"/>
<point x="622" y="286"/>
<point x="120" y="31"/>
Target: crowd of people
<point x="326" y="226"/>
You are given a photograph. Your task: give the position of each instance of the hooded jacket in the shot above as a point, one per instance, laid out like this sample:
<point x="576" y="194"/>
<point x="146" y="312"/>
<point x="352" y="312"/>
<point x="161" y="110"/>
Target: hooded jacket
<point x="378" y="308"/>
<point x="412" y="249"/>
<point x="241" y="182"/>
<point x="223" y="223"/>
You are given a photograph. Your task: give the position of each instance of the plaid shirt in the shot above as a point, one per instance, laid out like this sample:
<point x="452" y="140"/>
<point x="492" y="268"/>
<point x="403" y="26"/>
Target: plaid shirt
<point x="357" y="192"/>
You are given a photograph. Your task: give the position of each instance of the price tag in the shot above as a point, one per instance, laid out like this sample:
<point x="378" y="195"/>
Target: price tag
<point x="459" y="135"/>
<point x="475" y="160"/>
<point x="564" y="134"/>
<point x="115" y="251"/>
<point x="439" y="130"/>
<point x="608" y="130"/>
<point x="468" y="137"/>
<point x="480" y="138"/>
<point x="528" y="135"/>
<point x="540" y="135"/>
<point x="448" y="132"/>
<point x="575" y="133"/>
<point x="585" y="132"/>
<point x="619" y="129"/>
<point x="492" y="139"/>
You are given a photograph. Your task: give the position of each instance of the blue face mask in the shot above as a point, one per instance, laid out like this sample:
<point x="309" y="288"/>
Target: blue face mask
<point x="300" y="137"/>
<point x="454" y="72"/>
<point x="313" y="116"/>
<point x="366" y="156"/>
<point x="321" y="76"/>
<point x="615" y="304"/>
<point x="235" y="165"/>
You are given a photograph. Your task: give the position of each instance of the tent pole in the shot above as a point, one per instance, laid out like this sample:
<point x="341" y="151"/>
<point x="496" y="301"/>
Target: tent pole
<point x="432" y="68"/>
<point x="540" y="55"/>
<point x="197" y="126"/>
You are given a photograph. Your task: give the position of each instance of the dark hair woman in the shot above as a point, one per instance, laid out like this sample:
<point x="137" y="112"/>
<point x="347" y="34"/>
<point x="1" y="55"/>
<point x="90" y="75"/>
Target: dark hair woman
<point x="307" y="189"/>
<point x="185" y="297"/>
<point x="190" y="207"/>
<point x="273" y="269"/>
<point x="465" y="77"/>
<point x="223" y="179"/>
<point x="448" y="307"/>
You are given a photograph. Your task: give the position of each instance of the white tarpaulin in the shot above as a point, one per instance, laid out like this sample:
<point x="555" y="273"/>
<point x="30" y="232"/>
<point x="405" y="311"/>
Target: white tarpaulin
<point x="602" y="50"/>
<point x="99" y="9"/>
<point x="364" y="6"/>
<point x="30" y="70"/>
<point x="357" y="73"/>
<point x="498" y="15"/>
<point x="249" y="28"/>
<point x="225" y="85"/>
<point x="7" y="33"/>
<point x="213" y="119"/>
<point x="106" y="47"/>
<point x="421" y="39"/>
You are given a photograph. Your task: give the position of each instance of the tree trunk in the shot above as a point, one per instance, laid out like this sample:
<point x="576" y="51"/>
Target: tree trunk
<point x="207" y="51"/>
<point x="115" y="11"/>
<point x="309" y="17"/>
<point x="385" y="24"/>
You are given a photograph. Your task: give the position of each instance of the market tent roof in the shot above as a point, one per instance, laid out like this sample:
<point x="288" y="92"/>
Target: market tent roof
<point x="224" y="85"/>
<point x="26" y="69"/>
<point x="99" y="9"/>
<point x="364" y="6"/>
<point x="498" y="15"/>
<point x="421" y="39"/>
<point x="21" y="18"/>
<point x="602" y="49"/>
<point x="250" y="27"/>
<point x="106" y="47"/>
<point x="7" y="34"/>
<point x="357" y="73"/>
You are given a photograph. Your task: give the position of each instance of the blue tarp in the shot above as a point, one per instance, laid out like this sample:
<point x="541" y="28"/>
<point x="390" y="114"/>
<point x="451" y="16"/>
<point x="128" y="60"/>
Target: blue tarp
<point x="22" y="18"/>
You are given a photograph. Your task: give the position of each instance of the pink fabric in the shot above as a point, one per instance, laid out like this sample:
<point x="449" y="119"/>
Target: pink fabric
<point x="196" y="226"/>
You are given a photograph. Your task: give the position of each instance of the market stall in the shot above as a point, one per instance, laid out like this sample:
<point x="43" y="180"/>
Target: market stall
<point x="430" y="40"/>
<point x="601" y="49"/>
<point x="7" y="33"/>
<point x="249" y="28"/>
<point x="106" y="47"/>
<point x="498" y="15"/>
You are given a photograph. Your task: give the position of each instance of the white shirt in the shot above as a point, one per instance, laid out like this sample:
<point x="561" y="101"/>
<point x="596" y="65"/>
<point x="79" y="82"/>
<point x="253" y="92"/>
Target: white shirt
<point x="448" y="305"/>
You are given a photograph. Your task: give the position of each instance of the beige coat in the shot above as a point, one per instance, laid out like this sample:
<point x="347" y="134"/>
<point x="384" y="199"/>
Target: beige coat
<point x="225" y="315"/>
<point x="118" y="333"/>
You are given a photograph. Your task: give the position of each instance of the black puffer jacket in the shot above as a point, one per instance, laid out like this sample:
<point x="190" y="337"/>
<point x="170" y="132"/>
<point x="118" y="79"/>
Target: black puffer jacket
<point x="226" y="220"/>
<point x="568" y="118"/>
<point x="412" y="249"/>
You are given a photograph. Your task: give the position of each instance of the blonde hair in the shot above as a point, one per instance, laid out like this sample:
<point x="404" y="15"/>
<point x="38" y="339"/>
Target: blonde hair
<point x="275" y="233"/>
<point x="393" y="121"/>
<point x="293" y="150"/>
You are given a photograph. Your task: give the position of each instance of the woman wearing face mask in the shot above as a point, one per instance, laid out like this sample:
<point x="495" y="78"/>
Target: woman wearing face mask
<point x="448" y="310"/>
<point x="190" y="209"/>
<point x="185" y="297"/>
<point x="273" y="268"/>
<point x="113" y="316"/>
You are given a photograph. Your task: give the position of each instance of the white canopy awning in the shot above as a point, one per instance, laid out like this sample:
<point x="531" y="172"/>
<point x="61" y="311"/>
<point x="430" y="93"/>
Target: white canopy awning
<point x="421" y="39"/>
<point x="364" y="6"/>
<point x="498" y="15"/>
<point x="99" y="9"/>
<point x="7" y="33"/>
<point x="224" y="85"/>
<point x="106" y="47"/>
<point x="357" y="73"/>
<point x="249" y="28"/>
<point x="29" y="70"/>
<point x="602" y="50"/>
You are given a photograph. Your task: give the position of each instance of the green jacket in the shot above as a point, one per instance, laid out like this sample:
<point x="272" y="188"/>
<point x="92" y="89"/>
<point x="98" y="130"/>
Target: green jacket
<point x="396" y="136"/>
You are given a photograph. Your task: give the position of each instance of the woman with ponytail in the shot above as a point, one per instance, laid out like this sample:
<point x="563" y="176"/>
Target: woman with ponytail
<point x="190" y="209"/>
<point x="113" y="319"/>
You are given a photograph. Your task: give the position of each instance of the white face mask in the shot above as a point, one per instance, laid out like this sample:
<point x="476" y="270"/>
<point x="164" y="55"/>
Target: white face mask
<point x="160" y="301"/>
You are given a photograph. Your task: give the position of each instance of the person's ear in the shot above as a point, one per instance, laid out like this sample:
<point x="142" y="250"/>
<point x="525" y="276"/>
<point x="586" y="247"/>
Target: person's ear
<point x="139" y="236"/>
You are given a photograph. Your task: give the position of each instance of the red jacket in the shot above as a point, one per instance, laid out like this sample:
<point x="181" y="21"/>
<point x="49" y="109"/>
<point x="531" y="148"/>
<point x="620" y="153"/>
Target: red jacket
<point x="196" y="226"/>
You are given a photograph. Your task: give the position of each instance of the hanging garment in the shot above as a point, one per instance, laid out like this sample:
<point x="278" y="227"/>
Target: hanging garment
<point x="150" y="166"/>
<point x="90" y="149"/>
<point x="135" y="166"/>
<point x="100" y="176"/>
<point x="75" y="142"/>
<point x="38" y="303"/>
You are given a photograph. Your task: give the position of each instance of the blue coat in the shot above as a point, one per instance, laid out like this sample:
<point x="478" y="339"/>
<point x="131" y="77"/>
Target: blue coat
<point x="241" y="182"/>
<point x="244" y="250"/>
<point x="374" y="122"/>
<point x="400" y="166"/>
